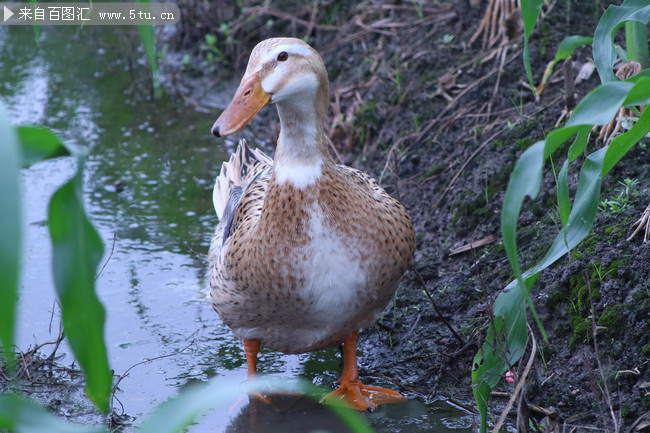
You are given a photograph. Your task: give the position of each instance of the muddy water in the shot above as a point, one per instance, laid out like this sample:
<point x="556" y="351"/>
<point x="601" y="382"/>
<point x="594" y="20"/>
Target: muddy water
<point x="148" y="187"/>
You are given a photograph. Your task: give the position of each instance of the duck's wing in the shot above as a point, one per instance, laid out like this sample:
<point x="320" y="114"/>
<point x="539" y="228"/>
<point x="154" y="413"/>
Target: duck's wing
<point x="240" y="189"/>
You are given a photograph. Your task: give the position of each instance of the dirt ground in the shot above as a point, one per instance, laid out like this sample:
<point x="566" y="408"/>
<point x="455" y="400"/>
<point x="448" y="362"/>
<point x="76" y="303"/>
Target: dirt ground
<point x="441" y="122"/>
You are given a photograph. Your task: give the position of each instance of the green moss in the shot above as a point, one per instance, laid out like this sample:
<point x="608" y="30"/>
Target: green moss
<point x="524" y="143"/>
<point x="612" y="317"/>
<point x="581" y="329"/>
<point x="646" y="350"/>
<point x="625" y="411"/>
<point x="432" y="171"/>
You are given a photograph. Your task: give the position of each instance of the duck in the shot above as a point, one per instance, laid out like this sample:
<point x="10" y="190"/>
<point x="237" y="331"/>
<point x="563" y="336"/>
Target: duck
<point x="307" y="252"/>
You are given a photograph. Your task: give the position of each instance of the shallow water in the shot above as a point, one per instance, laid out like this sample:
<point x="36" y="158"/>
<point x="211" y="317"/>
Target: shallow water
<point x="156" y="232"/>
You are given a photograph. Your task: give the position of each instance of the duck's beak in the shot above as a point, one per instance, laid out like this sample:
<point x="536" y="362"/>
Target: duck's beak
<point x="249" y="99"/>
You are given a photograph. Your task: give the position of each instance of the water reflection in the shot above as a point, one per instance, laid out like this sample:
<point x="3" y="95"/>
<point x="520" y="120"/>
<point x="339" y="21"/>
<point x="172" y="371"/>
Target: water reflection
<point x="295" y="413"/>
<point x="289" y="414"/>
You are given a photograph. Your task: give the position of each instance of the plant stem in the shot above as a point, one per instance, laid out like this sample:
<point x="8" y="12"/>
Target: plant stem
<point x="636" y="38"/>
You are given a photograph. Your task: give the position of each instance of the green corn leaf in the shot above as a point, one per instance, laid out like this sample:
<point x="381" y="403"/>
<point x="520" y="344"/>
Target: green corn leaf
<point x="620" y="145"/>
<point x="636" y="42"/>
<point x="77" y="250"/>
<point x="638" y="94"/>
<point x="10" y="233"/>
<point x="21" y="415"/>
<point x="564" y="51"/>
<point x="601" y="105"/>
<point x="504" y="344"/>
<point x="530" y="10"/>
<point x="38" y="143"/>
<point x="563" y="199"/>
<point x="576" y="149"/>
<point x="611" y="21"/>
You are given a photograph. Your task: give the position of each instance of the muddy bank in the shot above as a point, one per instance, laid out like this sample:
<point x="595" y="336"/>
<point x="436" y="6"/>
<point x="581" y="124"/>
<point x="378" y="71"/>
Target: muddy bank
<point x="441" y="123"/>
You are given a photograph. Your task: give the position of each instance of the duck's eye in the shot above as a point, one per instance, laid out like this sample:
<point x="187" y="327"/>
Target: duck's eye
<point x="283" y="56"/>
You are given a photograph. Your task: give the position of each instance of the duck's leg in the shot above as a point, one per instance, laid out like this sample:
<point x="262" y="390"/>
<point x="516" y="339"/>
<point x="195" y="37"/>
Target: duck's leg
<point x="352" y="391"/>
<point x="252" y="348"/>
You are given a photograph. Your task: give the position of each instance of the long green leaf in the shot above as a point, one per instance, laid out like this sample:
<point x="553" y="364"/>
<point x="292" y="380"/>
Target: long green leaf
<point x="611" y="21"/>
<point x="38" y="143"/>
<point x="10" y="233"/>
<point x="563" y="197"/>
<point x="530" y="10"/>
<point x="148" y="38"/>
<point x="576" y="149"/>
<point x="623" y="143"/>
<point x="77" y="250"/>
<point x="18" y="414"/>
<point x="35" y="26"/>
<point x="564" y="51"/>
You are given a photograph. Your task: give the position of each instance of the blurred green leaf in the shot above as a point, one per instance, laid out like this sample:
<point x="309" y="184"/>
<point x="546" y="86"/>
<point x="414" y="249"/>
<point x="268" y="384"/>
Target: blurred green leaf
<point x="611" y="21"/>
<point x="148" y="38"/>
<point x="77" y="250"/>
<point x="10" y="232"/>
<point x="179" y="412"/>
<point x="38" y="143"/>
<point x="19" y="414"/>
<point x="35" y="26"/>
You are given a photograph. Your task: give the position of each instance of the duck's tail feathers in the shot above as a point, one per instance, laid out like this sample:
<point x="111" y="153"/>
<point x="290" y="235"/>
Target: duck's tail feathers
<point x="241" y="169"/>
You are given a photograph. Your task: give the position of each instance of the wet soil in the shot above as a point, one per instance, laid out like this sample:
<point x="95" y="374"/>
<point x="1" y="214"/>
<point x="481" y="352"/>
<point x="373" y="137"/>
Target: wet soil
<point x="441" y="122"/>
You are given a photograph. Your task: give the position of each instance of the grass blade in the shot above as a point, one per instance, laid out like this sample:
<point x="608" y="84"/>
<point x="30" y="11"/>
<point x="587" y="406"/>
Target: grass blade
<point x="77" y="250"/>
<point x="10" y="233"/>
<point x="148" y="37"/>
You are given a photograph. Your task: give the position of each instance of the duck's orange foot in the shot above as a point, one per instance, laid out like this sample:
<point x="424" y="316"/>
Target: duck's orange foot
<point x="362" y="397"/>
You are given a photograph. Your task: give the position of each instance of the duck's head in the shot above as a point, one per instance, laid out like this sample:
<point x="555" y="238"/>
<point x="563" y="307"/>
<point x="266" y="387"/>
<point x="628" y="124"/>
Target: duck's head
<point x="283" y="71"/>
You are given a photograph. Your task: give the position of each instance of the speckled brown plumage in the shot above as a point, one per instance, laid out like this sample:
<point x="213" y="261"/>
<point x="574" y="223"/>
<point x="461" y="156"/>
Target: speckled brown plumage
<point x="259" y="276"/>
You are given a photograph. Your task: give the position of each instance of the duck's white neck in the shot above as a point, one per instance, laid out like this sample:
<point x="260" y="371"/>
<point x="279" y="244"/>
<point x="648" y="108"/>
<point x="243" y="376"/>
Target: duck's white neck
<point x="302" y="148"/>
